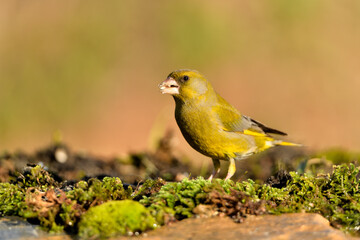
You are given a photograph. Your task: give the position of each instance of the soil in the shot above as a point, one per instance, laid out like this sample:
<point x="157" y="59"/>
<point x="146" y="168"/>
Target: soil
<point x="66" y="164"/>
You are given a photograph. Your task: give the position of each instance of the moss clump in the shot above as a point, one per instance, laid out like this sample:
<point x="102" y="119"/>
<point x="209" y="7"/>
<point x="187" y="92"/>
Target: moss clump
<point x="148" y="188"/>
<point x="95" y="192"/>
<point x="52" y="209"/>
<point x="35" y="176"/>
<point x="12" y="199"/>
<point x="176" y="200"/>
<point x="55" y="206"/>
<point x="37" y="196"/>
<point x="336" y="196"/>
<point x="114" y="218"/>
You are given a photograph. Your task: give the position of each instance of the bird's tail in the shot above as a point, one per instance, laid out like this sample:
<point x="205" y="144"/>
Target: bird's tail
<point x="282" y="143"/>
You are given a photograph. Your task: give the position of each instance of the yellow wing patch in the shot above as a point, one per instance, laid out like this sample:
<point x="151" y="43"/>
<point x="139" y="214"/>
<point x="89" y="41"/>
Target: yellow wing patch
<point x="252" y="133"/>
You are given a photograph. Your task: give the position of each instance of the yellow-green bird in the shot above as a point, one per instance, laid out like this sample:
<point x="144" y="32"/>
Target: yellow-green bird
<point x="211" y="125"/>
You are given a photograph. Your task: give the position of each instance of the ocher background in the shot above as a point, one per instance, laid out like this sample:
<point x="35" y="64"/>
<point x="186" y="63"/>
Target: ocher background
<point x="90" y="69"/>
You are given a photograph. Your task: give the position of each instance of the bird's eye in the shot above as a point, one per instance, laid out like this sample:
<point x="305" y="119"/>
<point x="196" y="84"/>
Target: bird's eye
<point x="186" y="78"/>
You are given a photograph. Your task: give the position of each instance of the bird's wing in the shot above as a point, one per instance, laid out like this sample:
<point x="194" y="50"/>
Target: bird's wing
<point x="231" y="120"/>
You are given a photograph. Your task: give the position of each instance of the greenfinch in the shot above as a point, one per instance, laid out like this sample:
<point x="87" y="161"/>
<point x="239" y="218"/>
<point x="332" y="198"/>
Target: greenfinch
<point x="211" y="125"/>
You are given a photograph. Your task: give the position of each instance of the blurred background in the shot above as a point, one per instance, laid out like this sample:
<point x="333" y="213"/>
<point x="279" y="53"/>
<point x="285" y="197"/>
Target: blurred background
<point x="90" y="71"/>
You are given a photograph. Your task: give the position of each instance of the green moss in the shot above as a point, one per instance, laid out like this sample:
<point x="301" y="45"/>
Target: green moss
<point x="12" y="199"/>
<point x="114" y="218"/>
<point x="176" y="200"/>
<point x="148" y="188"/>
<point x="95" y="192"/>
<point x="36" y="195"/>
<point x="336" y="196"/>
<point x="35" y="176"/>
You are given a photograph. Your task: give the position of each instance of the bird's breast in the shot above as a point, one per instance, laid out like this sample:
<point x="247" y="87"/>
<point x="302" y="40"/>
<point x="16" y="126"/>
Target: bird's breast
<point x="204" y="133"/>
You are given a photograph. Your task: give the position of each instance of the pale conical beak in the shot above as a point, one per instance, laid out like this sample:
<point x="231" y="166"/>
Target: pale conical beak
<point x="169" y="86"/>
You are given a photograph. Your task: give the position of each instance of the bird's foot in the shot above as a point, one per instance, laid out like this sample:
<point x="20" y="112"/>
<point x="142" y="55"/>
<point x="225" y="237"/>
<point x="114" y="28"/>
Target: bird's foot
<point x="228" y="176"/>
<point x="211" y="177"/>
<point x="231" y="170"/>
<point x="216" y="163"/>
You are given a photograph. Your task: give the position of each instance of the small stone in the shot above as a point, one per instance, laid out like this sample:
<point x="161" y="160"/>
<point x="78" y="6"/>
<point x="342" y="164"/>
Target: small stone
<point x="203" y="210"/>
<point x="61" y="155"/>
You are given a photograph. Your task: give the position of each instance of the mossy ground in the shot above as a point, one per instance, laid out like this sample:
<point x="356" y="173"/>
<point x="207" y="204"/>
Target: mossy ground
<point x="82" y="206"/>
<point x="115" y="217"/>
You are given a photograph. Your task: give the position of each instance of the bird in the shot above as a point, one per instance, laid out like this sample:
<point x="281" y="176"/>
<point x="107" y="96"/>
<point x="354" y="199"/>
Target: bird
<point x="214" y="127"/>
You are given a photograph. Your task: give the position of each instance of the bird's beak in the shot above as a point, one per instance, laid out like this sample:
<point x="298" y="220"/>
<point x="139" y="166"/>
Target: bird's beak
<point x="169" y="86"/>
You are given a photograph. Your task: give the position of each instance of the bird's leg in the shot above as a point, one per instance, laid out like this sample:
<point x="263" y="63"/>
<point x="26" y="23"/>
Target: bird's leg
<point x="216" y="170"/>
<point x="232" y="169"/>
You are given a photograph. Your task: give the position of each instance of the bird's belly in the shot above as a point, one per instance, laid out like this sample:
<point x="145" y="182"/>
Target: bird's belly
<point x="210" y="140"/>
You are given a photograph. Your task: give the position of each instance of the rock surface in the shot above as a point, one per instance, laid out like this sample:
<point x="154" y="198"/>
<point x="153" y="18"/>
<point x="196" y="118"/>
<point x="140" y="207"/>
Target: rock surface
<point x="15" y="228"/>
<point x="287" y="226"/>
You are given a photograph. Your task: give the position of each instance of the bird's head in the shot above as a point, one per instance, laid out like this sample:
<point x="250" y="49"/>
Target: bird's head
<point x="186" y="84"/>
